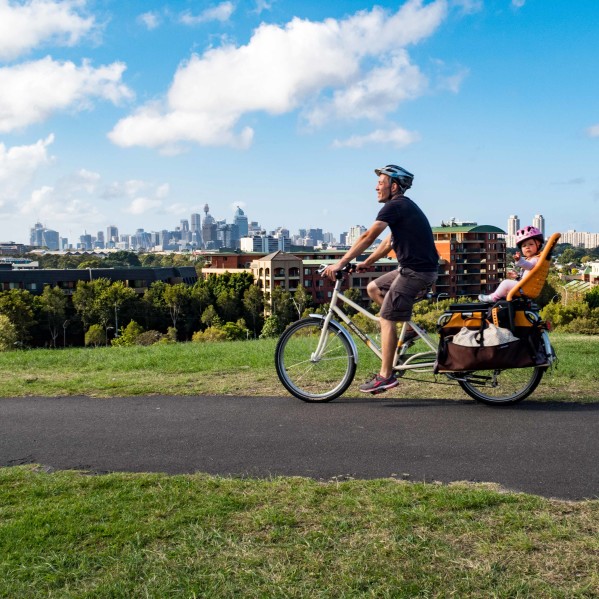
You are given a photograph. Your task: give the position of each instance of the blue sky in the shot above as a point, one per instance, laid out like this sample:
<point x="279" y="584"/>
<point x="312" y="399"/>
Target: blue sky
<point x="136" y="114"/>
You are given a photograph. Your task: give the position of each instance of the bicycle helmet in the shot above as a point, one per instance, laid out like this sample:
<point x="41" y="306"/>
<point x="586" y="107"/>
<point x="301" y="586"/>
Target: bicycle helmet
<point x="398" y="174"/>
<point x="528" y="233"/>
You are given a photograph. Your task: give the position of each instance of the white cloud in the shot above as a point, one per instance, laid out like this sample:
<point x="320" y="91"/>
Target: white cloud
<point x="138" y="197"/>
<point x="518" y="3"/>
<point x="222" y="13"/>
<point x="28" y="24"/>
<point x="142" y="205"/>
<point x="18" y="166"/>
<point x="151" y="20"/>
<point x="593" y="131"/>
<point x="397" y="137"/>
<point x="281" y="69"/>
<point x="469" y="6"/>
<point x="67" y="204"/>
<point x="373" y="96"/>
<point x="32" y="91"/>
<point x="262" y="5"/>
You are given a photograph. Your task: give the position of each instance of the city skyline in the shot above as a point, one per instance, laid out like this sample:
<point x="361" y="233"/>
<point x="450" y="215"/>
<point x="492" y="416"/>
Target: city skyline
<point x="253" y="228"/>
<point x="143" y="113"/>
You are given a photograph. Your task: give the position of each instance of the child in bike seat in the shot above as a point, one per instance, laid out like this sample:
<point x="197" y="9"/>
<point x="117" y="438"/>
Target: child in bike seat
<point x="529" y="241"/>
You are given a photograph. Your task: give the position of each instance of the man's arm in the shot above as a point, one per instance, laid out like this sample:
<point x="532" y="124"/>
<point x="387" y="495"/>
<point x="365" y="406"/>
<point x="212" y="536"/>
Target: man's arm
<point x="381" y="251"/>
<point x="362" y="243"/>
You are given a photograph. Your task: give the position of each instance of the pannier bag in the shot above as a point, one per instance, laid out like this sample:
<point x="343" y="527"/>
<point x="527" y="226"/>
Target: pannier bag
<point x="468" y="341"/>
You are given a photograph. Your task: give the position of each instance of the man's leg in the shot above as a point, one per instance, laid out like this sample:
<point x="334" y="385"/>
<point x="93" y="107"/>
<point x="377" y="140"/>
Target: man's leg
<point x="388" y="346"/>
<point x="375" y="293"/>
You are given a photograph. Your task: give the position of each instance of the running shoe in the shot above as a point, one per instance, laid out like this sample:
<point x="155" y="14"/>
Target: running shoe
<point x="486" y="298"/>
<point x="378" y="384"/>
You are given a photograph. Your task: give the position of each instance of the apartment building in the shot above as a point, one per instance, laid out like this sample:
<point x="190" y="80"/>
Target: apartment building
<point x="473" y="259"/>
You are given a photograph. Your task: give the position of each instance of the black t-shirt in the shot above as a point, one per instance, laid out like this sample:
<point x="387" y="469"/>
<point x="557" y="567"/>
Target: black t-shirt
<point x="412" y="240"/>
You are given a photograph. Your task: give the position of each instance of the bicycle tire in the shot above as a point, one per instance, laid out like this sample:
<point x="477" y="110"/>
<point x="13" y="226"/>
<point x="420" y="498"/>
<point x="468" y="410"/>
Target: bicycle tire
<point x="509" y="387"/>
<point x="315" y="380"/>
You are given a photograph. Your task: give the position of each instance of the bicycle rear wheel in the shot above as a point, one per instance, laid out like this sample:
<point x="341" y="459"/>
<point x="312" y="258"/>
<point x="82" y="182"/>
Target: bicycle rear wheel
<point x="501" y="386"/>
<point x="312" y="378"/>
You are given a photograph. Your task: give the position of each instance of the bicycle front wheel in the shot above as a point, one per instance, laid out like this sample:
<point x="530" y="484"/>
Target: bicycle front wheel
<point x="312" y="377"/>
<point x="501" y="386"/>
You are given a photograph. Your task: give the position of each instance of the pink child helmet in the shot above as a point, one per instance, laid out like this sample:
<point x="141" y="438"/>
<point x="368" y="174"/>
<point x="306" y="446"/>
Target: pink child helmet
<point x="528" y="233"/>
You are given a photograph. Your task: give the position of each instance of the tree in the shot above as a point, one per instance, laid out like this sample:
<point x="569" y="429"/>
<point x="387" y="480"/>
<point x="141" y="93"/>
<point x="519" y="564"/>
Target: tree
<point x="155" y="308"/>
<point x="8" y="333"/>
<point x="210" y="318"/>
<point x="176" y="298"/>
<point x="301" y="300"/>
<point x="53" y="304"/>
<point x="85" y="300"/>
<point x="112" y="300"/>
<point x="253" y="302"/>
<point x="123" y="258"/>
<point x="201" y="296"/>
<point x="92" y="263"/>
<point x="592" y="298"/>
<point x="568" y="256"/>
<point x="282" y="305"/>
<point x="19" y="306"/>
<point x="228" y="305"/>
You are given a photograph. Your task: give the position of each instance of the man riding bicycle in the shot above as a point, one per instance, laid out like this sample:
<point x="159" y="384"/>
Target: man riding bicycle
<point x="411" y="239"/>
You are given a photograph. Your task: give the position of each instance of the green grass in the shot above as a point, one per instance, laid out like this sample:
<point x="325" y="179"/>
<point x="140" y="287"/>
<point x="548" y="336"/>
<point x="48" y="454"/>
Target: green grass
<point x="69" y="534"/>
<point x="244" y="368"/>
<point x="66" y="534"/>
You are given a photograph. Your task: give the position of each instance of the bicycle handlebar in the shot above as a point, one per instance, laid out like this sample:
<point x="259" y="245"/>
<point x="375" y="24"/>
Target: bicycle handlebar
<point x="348" y="268"/>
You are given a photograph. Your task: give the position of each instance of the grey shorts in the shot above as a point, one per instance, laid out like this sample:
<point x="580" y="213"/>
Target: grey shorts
<point x="400" y="288"/>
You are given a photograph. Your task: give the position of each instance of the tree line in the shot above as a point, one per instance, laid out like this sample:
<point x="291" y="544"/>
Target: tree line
<point x="227" y="306"/>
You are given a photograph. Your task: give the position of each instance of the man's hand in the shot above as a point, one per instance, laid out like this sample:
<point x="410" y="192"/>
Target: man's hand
<point x="362" y="267"/>
<point x="331" y="270"/>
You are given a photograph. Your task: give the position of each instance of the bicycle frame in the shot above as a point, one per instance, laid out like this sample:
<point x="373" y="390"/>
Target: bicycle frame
<point x="412" y="363"/>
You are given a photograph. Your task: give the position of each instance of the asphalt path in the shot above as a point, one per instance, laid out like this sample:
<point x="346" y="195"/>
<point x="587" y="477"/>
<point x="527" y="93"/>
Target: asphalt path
<point x="548" y="449"/>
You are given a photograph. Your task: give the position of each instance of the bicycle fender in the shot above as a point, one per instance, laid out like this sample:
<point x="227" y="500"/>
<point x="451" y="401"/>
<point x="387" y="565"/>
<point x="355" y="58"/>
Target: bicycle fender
<point x="335" y="324"/>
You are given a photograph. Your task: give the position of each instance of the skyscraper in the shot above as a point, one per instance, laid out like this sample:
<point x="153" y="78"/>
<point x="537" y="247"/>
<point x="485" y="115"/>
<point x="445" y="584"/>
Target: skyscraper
<point x="35" y="234"/>
<point x="241" y="220"/>
<point x="513" y="224"/>
<point x="209" y="236"/>
<point x="538" y="221"/>
<point x="196" y="222"/>
<point x="112" y="236"/>
<point x="41" y="237"/>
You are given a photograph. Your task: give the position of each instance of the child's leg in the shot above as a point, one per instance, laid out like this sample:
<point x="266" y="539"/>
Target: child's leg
<point x="504" y="288"/>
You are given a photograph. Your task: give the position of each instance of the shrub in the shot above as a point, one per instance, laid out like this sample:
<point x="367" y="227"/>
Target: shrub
<point x="592" y="298"/>
<point x="585" y="325"/>
<point x="561" y="316"/>
<point x="271" y="328"/>
<point x="8" y="333"/>
<point x="149" y="338"/>
<point x="129" y="335"/>
<point x="210" y="334"/>
<point x="235" y="330"/>
<point x="95" y="335"/>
